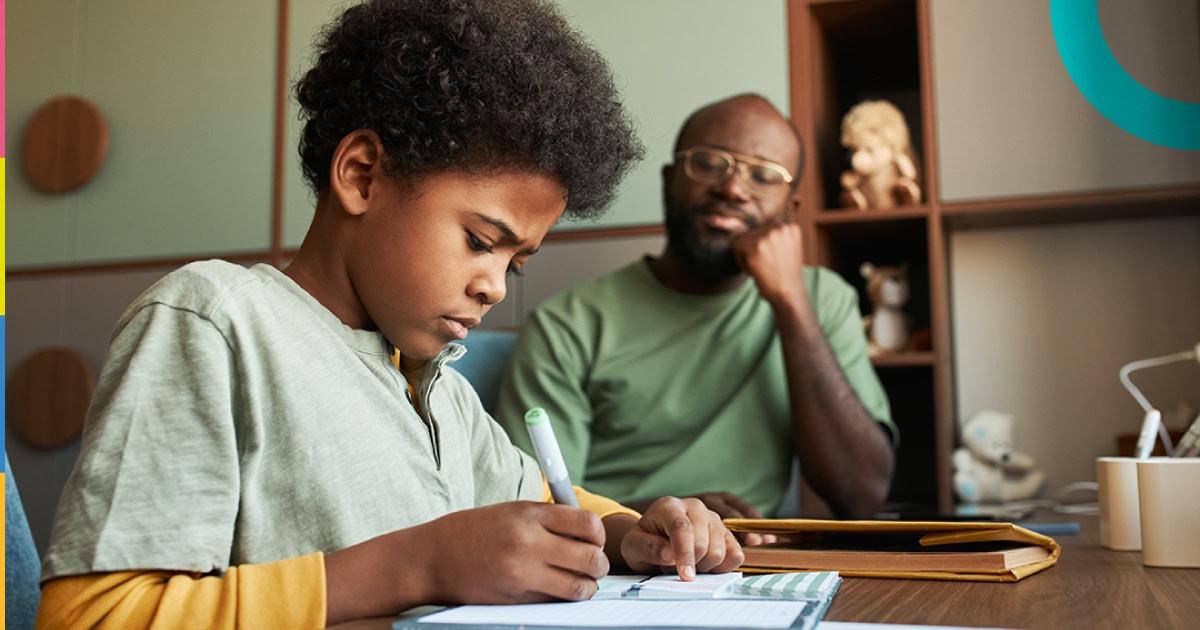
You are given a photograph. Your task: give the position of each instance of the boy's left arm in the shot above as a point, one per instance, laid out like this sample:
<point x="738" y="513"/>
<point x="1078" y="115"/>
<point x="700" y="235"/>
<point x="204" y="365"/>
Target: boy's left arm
<point x="673" y="533"/>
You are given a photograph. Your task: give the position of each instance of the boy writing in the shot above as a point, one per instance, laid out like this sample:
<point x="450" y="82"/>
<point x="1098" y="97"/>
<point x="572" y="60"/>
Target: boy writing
<point x="288" y="449"/>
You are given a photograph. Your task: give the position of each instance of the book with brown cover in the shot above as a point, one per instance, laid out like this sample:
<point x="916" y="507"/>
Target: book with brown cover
<point x="998" y="552"/>
<point x="785" y="556"/>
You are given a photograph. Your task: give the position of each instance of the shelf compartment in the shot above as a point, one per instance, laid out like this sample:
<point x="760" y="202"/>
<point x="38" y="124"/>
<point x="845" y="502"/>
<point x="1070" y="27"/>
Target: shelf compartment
<point x="845" y="246"/>
<point x="910" y="392"/>
<point x="861" y="50"/>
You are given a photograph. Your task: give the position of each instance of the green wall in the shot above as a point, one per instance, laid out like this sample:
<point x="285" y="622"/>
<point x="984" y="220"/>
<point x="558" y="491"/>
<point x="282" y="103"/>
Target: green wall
<point x="188" y="90"/>
<point x="668" y="56"/>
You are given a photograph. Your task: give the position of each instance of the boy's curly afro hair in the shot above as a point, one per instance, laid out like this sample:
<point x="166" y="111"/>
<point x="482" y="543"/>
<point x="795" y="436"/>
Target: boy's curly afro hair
<point x="472" y="86"/>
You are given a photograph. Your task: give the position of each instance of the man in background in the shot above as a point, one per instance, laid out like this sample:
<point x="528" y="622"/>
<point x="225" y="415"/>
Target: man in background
<point x="707" y="370"/>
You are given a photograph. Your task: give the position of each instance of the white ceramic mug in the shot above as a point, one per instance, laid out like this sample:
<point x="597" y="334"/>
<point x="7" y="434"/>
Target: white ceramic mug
<point x="1120" y="524"/>
<point x="1169" y="496"/>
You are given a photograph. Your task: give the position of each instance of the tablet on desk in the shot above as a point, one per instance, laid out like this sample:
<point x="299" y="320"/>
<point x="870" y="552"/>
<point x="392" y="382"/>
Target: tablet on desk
<point x="1015" y="516"/>
<point x="964" y="512"/>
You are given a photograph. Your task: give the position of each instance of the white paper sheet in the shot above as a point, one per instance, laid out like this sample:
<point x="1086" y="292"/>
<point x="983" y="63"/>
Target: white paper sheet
<point x="718" y="613"/>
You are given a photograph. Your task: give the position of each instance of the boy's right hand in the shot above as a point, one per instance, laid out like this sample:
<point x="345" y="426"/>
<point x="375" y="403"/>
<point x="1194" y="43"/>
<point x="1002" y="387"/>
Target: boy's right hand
<point x="516" y="552"/>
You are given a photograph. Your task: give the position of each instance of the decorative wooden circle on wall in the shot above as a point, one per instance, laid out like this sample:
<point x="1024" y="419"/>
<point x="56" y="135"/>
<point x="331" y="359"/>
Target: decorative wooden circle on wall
<point x="48" y="397"/>
<point x="65" y="144"/>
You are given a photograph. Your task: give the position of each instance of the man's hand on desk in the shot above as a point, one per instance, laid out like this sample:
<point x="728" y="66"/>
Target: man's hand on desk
<point x="729" y="505"/>
<point x="726" y="505"/>
<point x="682" y="534"/>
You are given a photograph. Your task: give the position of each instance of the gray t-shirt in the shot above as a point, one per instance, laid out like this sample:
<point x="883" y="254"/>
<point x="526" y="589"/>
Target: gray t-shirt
<point x="238" y="421"/>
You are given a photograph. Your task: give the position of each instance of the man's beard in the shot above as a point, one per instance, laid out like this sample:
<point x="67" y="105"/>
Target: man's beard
<point x="714" y="261"/>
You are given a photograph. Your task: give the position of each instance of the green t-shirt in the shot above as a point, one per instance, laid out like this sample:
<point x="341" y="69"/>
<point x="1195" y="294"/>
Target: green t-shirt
<point x="654" y="392"/>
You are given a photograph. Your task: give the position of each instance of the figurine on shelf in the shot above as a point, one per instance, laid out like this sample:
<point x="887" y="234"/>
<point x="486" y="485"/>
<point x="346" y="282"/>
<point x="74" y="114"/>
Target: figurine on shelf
<point x="883" y="173"/>
<point x="887" y="325"/>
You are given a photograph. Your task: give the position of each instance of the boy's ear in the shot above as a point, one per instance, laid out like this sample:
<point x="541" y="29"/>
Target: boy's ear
<point x="356" y="163"/>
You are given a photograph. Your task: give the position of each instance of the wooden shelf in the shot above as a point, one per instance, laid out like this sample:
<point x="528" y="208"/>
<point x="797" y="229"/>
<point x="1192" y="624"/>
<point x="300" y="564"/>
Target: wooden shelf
<point x="905" y="359"/>
<point x="843" y="215"/>
<point x="1071" y="208"/>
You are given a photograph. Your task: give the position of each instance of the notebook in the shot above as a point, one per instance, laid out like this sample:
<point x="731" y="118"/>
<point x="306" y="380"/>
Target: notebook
<point x="778" y="601"/>
<point x="817" y="585"/>
<point x="628" y="613"/>
<point x="993" y="552"/>
<point x="990" y="558"/>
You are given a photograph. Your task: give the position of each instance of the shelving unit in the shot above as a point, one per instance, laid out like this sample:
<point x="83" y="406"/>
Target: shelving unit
<point x="844" y="52"/>
<point x="847" y="51"/>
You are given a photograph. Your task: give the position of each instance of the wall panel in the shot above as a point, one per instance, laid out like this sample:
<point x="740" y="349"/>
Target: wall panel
<point x="1011" y="123"/>
<point x="188" y="93"/>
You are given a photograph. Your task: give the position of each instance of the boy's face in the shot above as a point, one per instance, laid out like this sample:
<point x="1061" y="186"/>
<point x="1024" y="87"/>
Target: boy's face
<point x="428" y="264"/>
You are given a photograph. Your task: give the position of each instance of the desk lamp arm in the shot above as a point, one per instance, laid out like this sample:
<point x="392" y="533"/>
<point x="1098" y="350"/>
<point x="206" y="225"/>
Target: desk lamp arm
<point x="1152" y="423"/>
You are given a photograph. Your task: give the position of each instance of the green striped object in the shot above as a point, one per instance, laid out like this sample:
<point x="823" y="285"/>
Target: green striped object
<point x="798" y="585"/>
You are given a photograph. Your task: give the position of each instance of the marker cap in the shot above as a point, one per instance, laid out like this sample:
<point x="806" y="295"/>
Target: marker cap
<point x="536" y="416"/>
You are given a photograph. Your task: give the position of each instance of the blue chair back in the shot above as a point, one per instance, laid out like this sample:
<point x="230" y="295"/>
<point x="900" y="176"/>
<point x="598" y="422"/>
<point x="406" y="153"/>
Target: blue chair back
<point x="485" y="361"/>
<point x="22" y="568"/>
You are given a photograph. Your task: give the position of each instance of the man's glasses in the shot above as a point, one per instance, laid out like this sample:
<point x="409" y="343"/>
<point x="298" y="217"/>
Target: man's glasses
<point x="708" y="165"/>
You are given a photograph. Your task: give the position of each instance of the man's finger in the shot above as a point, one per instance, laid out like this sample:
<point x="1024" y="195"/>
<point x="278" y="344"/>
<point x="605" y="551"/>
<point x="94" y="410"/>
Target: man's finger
<point x="751" y="539"/>
<point x="742" y="506"/>
<point x="725" y="510"/>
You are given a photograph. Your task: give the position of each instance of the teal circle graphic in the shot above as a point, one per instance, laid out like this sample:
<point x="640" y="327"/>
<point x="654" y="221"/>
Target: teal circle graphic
<point x="1109" y="88"/>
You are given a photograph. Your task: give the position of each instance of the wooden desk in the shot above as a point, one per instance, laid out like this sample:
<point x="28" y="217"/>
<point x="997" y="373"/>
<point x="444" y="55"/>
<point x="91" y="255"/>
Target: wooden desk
<point x="1090" y="588"/>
